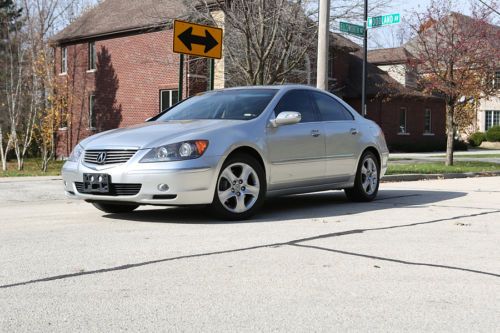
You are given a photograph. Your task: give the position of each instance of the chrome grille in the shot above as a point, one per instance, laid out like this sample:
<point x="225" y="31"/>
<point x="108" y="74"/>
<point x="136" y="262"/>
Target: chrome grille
<point x="114" y="190"/>
<point x="110" y="157"/>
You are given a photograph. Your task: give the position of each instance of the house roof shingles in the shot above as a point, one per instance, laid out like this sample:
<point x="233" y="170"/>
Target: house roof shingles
<point x="379" y="82"/>
<point x="395" y="55"/>
<point x="115" y="16"/>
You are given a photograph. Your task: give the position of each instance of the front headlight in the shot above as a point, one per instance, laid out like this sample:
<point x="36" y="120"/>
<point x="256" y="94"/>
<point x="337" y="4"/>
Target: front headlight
<point x="75" y="154"/>
<point x="185" y="150"/>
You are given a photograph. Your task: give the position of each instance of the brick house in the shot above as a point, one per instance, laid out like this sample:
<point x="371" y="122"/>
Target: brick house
<point x="119" y="69"/>
<point x="396" y="62"/>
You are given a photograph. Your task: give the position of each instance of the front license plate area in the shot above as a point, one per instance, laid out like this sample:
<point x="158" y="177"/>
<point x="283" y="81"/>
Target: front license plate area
<point x="96" y="183"/>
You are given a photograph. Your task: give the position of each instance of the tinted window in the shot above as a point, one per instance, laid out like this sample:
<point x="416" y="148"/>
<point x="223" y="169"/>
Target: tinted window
<point x="298" y="101"/>
<point x="329" y="108"/>
<point x="237" y="104"/>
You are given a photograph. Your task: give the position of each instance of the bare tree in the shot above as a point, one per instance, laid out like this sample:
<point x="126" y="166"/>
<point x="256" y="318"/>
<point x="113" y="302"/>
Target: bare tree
<point x="43" y="19"/>
<point x="264" y="40"/>
<point x="12" y="60"/>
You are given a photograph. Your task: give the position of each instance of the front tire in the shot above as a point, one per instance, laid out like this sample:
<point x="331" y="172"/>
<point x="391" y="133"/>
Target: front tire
<point x="114" y="208"/>
<point x="240" y="189"/>
<point x="367" y="179"/>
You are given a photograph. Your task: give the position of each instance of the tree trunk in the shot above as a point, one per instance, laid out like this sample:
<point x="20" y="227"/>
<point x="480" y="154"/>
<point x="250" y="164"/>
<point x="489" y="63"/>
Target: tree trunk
<point x="450" y="131"/>
<point x="3" y="153"/>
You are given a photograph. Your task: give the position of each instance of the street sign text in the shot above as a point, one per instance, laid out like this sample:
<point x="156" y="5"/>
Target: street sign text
<point x="352" y="29"/>
<point x="378" y="21"/>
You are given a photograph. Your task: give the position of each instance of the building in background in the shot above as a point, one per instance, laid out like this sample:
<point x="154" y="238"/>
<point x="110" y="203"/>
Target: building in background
<point x="119" y="69"/>
<point x="399" y="63"/>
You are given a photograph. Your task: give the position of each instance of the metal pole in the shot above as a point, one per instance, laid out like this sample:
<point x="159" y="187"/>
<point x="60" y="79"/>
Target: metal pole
<point x="181" y="76"/>
<point x="212" y="74"/>
<point x="365" y="55"/>
<point x="323" y="37"/>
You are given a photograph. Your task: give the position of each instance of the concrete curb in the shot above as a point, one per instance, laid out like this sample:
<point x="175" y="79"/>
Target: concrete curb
<point x="385" y="179"/>
<point x="28" y="179"/>
<point x="415" y="177"/>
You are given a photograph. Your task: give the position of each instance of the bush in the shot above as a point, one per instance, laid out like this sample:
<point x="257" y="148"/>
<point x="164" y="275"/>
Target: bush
<point x="425" y="147"/>
<point x="459" y="145"/>
<point x="475" y="139"/>
<point x="493" y="134"/>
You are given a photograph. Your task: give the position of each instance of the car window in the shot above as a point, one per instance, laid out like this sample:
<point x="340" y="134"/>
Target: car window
<point x="234" y="104"/>
<point x="298" y="101"/>
<point x="329" y="108"/>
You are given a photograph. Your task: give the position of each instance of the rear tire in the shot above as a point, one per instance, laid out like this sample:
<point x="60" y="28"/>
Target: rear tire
<point x="240" y="189"/>
<point x="367" y="179"/>
<point x="114" y="208"/>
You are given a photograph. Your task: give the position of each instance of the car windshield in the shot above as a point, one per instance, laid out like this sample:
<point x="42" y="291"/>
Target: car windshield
<point x="238" y="104"/>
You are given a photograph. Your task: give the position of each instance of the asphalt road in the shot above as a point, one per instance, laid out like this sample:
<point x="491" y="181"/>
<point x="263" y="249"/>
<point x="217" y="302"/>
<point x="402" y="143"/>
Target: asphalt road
<point x="424" y="257"/>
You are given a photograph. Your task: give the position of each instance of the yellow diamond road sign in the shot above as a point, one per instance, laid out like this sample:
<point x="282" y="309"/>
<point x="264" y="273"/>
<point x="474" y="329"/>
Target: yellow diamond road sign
<point x="197" y="39"/>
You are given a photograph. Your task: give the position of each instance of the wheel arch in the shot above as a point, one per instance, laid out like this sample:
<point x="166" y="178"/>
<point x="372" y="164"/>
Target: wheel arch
<point x="247" y="150"/>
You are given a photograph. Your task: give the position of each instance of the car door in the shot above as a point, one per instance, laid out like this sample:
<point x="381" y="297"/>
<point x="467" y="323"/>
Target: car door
<point x="341" y="135"/>
<point x="296" y="151"/>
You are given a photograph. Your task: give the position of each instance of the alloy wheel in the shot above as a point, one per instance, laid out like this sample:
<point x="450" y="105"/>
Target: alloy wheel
<point x="369" y="176"/>
<point x="238" y="187"/>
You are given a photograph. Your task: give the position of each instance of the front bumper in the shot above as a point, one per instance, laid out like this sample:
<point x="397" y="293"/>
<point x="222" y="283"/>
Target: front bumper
<point x="192" y="182"/>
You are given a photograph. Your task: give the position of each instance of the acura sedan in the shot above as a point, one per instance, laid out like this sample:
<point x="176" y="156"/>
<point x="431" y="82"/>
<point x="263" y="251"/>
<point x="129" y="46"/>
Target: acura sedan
<point x="231" y="149"/>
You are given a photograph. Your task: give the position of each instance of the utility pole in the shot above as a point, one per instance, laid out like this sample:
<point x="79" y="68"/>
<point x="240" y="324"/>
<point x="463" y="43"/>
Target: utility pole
<point x="323" y="48"/>
<point x="365" y="55"/>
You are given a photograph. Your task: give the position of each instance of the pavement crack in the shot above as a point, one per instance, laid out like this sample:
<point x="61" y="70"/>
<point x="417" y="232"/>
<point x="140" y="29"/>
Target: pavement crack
<point x="413" y="263"/>
<point x="294" y="242"/>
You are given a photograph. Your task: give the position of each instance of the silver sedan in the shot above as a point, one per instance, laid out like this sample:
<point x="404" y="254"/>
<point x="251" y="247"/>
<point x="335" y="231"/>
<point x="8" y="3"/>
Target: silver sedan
<point x="231" y="149"/>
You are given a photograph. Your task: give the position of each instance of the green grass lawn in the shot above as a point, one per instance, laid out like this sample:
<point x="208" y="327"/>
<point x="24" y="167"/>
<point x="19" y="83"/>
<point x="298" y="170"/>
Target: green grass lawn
<point x="439" y="167"/>
<point x="32" y="167"/>
<point x="471" y="156"/>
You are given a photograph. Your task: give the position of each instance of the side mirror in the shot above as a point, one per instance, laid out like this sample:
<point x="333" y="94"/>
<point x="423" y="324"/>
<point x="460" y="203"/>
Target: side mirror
<point x="286" y="118"/>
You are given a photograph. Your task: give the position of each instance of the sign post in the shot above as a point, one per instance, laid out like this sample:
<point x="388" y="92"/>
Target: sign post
<point x="362" y="31"/>
<point x="197" y="40"/>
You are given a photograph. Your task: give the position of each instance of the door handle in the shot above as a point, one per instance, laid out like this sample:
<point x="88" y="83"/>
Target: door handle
<point x="315" y="133"/>
<point x="354" y="131"/>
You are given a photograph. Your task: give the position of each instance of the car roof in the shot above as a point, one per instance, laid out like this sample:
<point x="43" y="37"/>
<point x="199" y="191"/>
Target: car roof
<point x="276" y="87"/>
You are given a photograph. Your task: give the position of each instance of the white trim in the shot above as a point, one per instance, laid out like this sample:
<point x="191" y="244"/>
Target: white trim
<point x="428" y="134"/>
<point x="62" y="129"/>
<point x="91" y="70"/>
<point x="406" y="133"/>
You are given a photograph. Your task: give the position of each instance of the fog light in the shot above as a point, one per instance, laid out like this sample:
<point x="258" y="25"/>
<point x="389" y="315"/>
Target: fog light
<point x="163" y="187"/>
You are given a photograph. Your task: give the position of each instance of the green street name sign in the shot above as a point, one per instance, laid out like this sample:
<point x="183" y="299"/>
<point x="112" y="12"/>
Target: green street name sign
<point x="352" y="29"/>
<point x="378" y="21"/>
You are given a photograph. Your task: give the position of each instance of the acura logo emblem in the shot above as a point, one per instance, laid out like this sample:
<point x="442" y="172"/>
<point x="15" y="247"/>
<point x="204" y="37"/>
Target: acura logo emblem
<point x="101" y="158"/>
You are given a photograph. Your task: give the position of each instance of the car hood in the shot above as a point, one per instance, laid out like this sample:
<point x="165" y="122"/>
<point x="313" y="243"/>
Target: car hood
<point x="156" y="133"/>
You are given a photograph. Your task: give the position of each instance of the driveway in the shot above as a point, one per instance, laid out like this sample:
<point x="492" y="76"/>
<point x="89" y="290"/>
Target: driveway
<point x="425" y="256"/>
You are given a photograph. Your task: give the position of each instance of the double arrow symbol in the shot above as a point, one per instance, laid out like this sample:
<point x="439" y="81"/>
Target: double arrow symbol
<point x="187" y="38"/>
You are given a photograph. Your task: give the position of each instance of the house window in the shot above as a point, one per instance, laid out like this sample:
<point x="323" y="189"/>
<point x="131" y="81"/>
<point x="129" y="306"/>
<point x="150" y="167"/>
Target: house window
<point x="168" y="98"/>
<point x="92" y="115"/>
<point x="496" y="82"/>
<point x="492" y="119"/>
<point x="64" y="119"/>
<point x="331" y="67"/>
<point x="402" y="121"/>
<point x="427" y="121"/>
<point x="64" y="60"/>
<point x="92" y="56"/>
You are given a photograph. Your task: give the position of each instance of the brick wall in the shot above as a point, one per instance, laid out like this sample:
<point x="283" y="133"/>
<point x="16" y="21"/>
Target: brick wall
<point x="387" y="113"/>
<point x="130" y="72"/>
